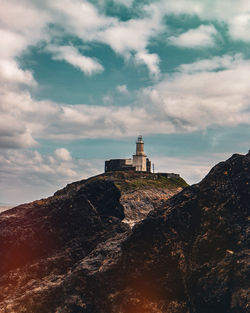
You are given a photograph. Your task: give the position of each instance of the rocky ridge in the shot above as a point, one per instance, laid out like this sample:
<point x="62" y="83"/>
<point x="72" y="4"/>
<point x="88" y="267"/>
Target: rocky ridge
<point x="74" y="253"/>
<point x="42" y="242"/>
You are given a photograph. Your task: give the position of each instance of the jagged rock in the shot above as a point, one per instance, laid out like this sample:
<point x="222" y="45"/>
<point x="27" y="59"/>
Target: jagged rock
<point x="189" y="255"/>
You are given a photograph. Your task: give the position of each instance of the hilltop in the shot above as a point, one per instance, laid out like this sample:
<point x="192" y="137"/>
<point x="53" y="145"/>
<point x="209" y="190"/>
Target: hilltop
<point x="89" y="249"/>
<point x="131" y="180"/>
<point x="140" y="192"/>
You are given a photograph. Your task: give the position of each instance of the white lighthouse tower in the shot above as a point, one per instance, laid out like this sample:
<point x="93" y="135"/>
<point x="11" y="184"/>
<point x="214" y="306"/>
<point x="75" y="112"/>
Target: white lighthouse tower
<point x="139" y="163"/>
<point x="140" y="158"/>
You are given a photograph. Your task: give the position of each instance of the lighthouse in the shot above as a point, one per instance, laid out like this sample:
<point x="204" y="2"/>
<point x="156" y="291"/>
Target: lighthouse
<point x="139" y="162"/>
<point x="140" y="158"/>
<point x="140" y="146"/>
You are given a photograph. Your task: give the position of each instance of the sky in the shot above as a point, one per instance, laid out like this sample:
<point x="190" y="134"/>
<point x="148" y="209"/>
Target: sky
<point x="80" y="80"/>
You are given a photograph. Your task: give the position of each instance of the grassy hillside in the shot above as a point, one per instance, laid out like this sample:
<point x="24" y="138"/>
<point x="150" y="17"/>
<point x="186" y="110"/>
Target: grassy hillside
<point x="130" y="180"/>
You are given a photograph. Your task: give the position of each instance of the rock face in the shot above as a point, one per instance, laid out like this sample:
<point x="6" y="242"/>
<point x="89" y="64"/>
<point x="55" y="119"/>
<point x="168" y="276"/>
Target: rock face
<point x="192" y="254"/>
<point x="138" y="203"/>
<point x="42" y="241"/>
<point x="73" y="252"/>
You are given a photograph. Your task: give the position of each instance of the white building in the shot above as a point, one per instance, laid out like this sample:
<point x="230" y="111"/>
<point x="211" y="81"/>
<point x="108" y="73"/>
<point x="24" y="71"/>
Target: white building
<point x="139" y="163"/>
<point x="140" y="158"/>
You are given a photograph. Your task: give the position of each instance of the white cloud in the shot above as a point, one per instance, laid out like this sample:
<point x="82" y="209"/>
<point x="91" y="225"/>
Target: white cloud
<point x="133" y="36"/>
<point x="22" y="125"/>
<point x="193" y="169"/>
<point x="215" y="63"/>
<point x="24" y="17"/>
<point x="235" y="14"/>
<point x="14" y="134"/>
<point x="203" y="36"/>
<point x="151" y="60"/>
<point x="222" y="10"/>
<point x="124" y="37"/>
<point x="84" y="19"/>
<point x="83" y="121"/>
<point x="71" y="55"/>
<point x="194" y="98"/>
<point x="122" y="89"/>
<point x="22" y="118"/>
<point x="12" y="74"/>
<point x="127" y="3"/>
<point x="28" y="175"/>
<point x="197" y="100"/>
<point x="191" y="7"/>
<point x="239" y="27"/>
<point x="107" y="99"/>
<point x="22" y="25"/>
<point x="128" y="38"/>
<point x="13" y="43"/>
<point x="63" y="154"/>
<point x="79" y="17"/>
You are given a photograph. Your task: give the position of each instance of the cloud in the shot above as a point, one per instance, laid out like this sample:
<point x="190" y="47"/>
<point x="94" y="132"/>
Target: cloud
<point x="122" y="89"/>
<point x="22" y="25"/>
<point x="222" y="10"/>
<point x="86" y="21"/>
<point x="234" y="14"/>
<point x="107" y="99"/>
<point x="193" y="98"/>
<point x="22" y="118"/>
<point x="25" y="120"/>
<point x="13" y="134"/>
<point x="63" y="154"/>
<point x="10" y="73"/>
<point x="213" y="64"/>
<point x="193" y="169"/>
<point x="29" y="175"/>
<point x="197" y="96"/>
<point x="25" y="17"/>
<point x="130" y="38"/>
<point x="239" y="27"/>
<point x="133" y="36"/>
<point x="193" y="7"/>
<point x="187" y="100"/>
<point x="203" y="36"/>
<point x="151" y="60"/>
<point x="200" y="99"/>
<point x="79" y="17"/>
<point x="125" y="37"/>
<point x="83" y="121"/>
<point x="127" y="3"/>
<point x="13" y="43"/>
<point x="70" y="54"/>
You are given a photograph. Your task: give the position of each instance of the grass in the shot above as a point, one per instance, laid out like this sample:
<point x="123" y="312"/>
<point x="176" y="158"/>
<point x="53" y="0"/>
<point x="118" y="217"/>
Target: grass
<point x="129" y="180"/>
<point x="150" y="181"/>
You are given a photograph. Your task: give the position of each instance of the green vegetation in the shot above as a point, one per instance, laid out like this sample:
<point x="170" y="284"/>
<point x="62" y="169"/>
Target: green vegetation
<point x="128" y="181"/>
<point x="159" y="181"/>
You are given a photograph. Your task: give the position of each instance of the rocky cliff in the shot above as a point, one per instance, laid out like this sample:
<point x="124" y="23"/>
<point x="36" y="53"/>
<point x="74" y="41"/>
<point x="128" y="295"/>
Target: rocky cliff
<point x="84" y="249"/>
